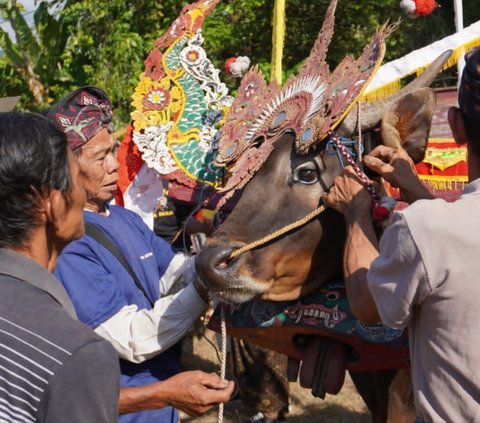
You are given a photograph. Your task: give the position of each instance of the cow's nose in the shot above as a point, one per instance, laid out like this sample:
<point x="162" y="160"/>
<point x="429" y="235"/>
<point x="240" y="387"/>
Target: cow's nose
<point x="214" y="265"/>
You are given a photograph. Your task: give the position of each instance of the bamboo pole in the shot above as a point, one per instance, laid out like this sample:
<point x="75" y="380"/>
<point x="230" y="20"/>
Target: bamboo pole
<point x="278" y="38"/>
<point x="458" y="6"/>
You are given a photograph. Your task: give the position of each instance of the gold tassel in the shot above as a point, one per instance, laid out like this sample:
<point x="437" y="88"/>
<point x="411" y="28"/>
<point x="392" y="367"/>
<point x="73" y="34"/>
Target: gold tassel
<point x="395" y="86"/>
<point x="382" y="91"/>
<point x="443" y="183"/>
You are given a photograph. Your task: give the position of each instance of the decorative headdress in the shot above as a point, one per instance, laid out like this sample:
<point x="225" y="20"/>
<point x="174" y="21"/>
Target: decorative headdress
<point x="310" y="105"/>
<point x="179" y="104"/>
<point x="82" y="114"/>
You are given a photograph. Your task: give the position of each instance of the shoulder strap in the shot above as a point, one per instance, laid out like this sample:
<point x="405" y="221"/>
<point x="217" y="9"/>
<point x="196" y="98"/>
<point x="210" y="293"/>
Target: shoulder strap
<point x="100" y="236"/>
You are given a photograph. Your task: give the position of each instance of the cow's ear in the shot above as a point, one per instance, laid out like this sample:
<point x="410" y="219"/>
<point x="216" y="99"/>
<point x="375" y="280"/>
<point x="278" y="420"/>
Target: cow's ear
<point x="407" y="122"/>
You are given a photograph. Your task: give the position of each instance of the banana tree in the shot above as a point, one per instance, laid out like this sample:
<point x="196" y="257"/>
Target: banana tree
<point x="32" y="56"/>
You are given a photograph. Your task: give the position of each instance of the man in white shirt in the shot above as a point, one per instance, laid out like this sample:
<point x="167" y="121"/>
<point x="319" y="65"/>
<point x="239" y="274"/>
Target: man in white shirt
<point x="424" y="272"/>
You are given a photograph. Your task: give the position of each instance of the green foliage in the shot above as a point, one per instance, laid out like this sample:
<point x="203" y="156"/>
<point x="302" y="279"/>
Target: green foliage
<point x="104" y="42"/>
<point x="104" y="49"/>
<point x="32" y="63"/>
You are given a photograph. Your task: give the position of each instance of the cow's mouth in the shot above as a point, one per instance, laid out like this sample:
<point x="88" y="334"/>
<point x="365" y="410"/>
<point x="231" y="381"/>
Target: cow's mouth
<point x="242" y="291"/>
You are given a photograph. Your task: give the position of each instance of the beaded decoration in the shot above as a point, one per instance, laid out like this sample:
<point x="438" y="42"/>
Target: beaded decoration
<point x="382" y="206"/>
<point x="310" y="105"/>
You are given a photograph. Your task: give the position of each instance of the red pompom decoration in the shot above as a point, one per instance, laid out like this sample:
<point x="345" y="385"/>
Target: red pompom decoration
<point x="237" y="66"/>
<point x="425" y="7"/>
<point x="228" y="64"/>
<point x="414" y="8"/>
<point x="380" y="213"/>
<point x="382" y="210"/>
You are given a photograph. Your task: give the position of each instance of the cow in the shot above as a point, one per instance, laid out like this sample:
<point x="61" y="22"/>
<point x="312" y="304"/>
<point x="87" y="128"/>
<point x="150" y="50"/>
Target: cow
<point x="290" y="184"/>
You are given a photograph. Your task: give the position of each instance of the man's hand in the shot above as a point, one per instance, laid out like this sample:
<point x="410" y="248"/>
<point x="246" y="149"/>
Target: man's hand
<point x="392" y="164"/>
<point x="196" y="392"/>
<point x="201" y="289"/>
<point x="396" y="167"/>
<point x="347" y="193"/>
<point x="194" y="226"/>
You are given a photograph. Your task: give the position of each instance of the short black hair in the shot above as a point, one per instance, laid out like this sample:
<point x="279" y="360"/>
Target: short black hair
<point x="33" y="161"/>
<point x="469" y="99"/>
<point x="472" y="129"/>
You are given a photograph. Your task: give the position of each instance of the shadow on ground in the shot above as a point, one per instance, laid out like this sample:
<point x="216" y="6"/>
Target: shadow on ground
<point x="346" y="407"/>
<point x="235" y="412"/>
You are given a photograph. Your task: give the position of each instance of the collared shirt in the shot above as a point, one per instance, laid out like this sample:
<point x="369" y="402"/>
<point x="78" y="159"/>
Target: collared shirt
<point x="43" y="349"/>
<point x="20" y="267"/>
<point x="426" y="277"/>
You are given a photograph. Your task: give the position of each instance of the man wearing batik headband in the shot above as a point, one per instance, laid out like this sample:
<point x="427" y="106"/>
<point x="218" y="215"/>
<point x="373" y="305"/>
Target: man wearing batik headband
<point x="140" y="320"/>
<point x="424" y="272"/>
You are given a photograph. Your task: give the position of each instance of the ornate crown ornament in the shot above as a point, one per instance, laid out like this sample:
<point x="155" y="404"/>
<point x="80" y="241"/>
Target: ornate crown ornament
<point x="179" y="103"/>
<point x="310" y="105"/>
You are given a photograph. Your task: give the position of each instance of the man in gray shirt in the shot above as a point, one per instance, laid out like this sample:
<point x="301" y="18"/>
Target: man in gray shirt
<point x="424" y="272"/>
<point x="52" y="367"/>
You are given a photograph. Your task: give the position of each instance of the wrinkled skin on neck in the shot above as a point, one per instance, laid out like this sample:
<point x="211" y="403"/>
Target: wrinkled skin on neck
<point x="287" y="188"/>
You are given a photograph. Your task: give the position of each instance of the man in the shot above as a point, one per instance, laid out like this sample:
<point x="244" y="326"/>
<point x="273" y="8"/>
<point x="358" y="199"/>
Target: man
<point x="424" y="272"/>
<point x="122" y="294"/>
<point x="52" y="367"/>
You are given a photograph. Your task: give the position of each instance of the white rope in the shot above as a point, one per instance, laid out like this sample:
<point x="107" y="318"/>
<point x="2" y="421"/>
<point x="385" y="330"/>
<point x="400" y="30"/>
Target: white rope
<point x="223" y="363"/>
<point x="359" y="125"/>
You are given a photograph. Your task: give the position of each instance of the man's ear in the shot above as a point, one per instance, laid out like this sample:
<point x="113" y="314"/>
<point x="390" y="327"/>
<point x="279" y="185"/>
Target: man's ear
<point x="457" y="125"/>
<point x="55" y="207"/>
<point x="43" y="206"/>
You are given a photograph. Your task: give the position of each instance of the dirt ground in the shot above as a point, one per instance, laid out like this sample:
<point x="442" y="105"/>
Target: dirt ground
<point x="346" y="407"/>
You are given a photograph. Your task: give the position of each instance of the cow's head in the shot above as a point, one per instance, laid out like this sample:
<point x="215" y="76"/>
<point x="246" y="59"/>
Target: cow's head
<point x="290" y="185"/>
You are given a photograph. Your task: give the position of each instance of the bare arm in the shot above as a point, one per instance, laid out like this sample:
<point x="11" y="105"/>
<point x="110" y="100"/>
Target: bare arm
<point x="361" y="248"/>
<point x="396" y="167"/>
<point x="194" y="392"/>
<point x="348" y="196"/>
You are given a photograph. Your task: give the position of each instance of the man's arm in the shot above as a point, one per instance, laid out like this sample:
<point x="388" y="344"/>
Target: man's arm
<point x="348" y="196"/>
<point x="193" y="392"/>
<point x="396" y="167"/>
<point x="85" y="388"/>
<point x="138" y="335"/>
<point x="361" y="248"/>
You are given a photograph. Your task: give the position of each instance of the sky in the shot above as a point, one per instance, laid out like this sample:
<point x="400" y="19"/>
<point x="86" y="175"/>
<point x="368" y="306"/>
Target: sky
<point x="29" y="8"/>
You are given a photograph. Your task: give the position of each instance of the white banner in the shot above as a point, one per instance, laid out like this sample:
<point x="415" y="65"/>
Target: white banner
<point x="418" y="59"/>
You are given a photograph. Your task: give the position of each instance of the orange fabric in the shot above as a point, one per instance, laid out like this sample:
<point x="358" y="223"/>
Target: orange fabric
<point x="130" y="161"/>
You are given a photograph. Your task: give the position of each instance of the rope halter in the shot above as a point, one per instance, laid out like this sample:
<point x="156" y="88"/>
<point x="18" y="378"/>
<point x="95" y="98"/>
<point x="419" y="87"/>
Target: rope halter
<point x="343" y="148"/>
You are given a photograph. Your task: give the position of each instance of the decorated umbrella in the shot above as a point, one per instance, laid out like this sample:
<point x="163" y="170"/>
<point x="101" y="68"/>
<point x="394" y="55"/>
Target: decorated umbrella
<point x="179" y="105"/>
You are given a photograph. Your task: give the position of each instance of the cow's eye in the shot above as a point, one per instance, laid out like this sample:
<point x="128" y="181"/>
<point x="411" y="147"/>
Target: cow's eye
<point x="306" y="175"/>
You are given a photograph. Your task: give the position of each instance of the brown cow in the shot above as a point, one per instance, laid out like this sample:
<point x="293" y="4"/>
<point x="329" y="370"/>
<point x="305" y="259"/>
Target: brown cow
<point x="287" y="186"/>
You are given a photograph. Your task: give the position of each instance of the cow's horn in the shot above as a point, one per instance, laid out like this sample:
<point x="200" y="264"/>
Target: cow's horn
<point x="371" y="113"/>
